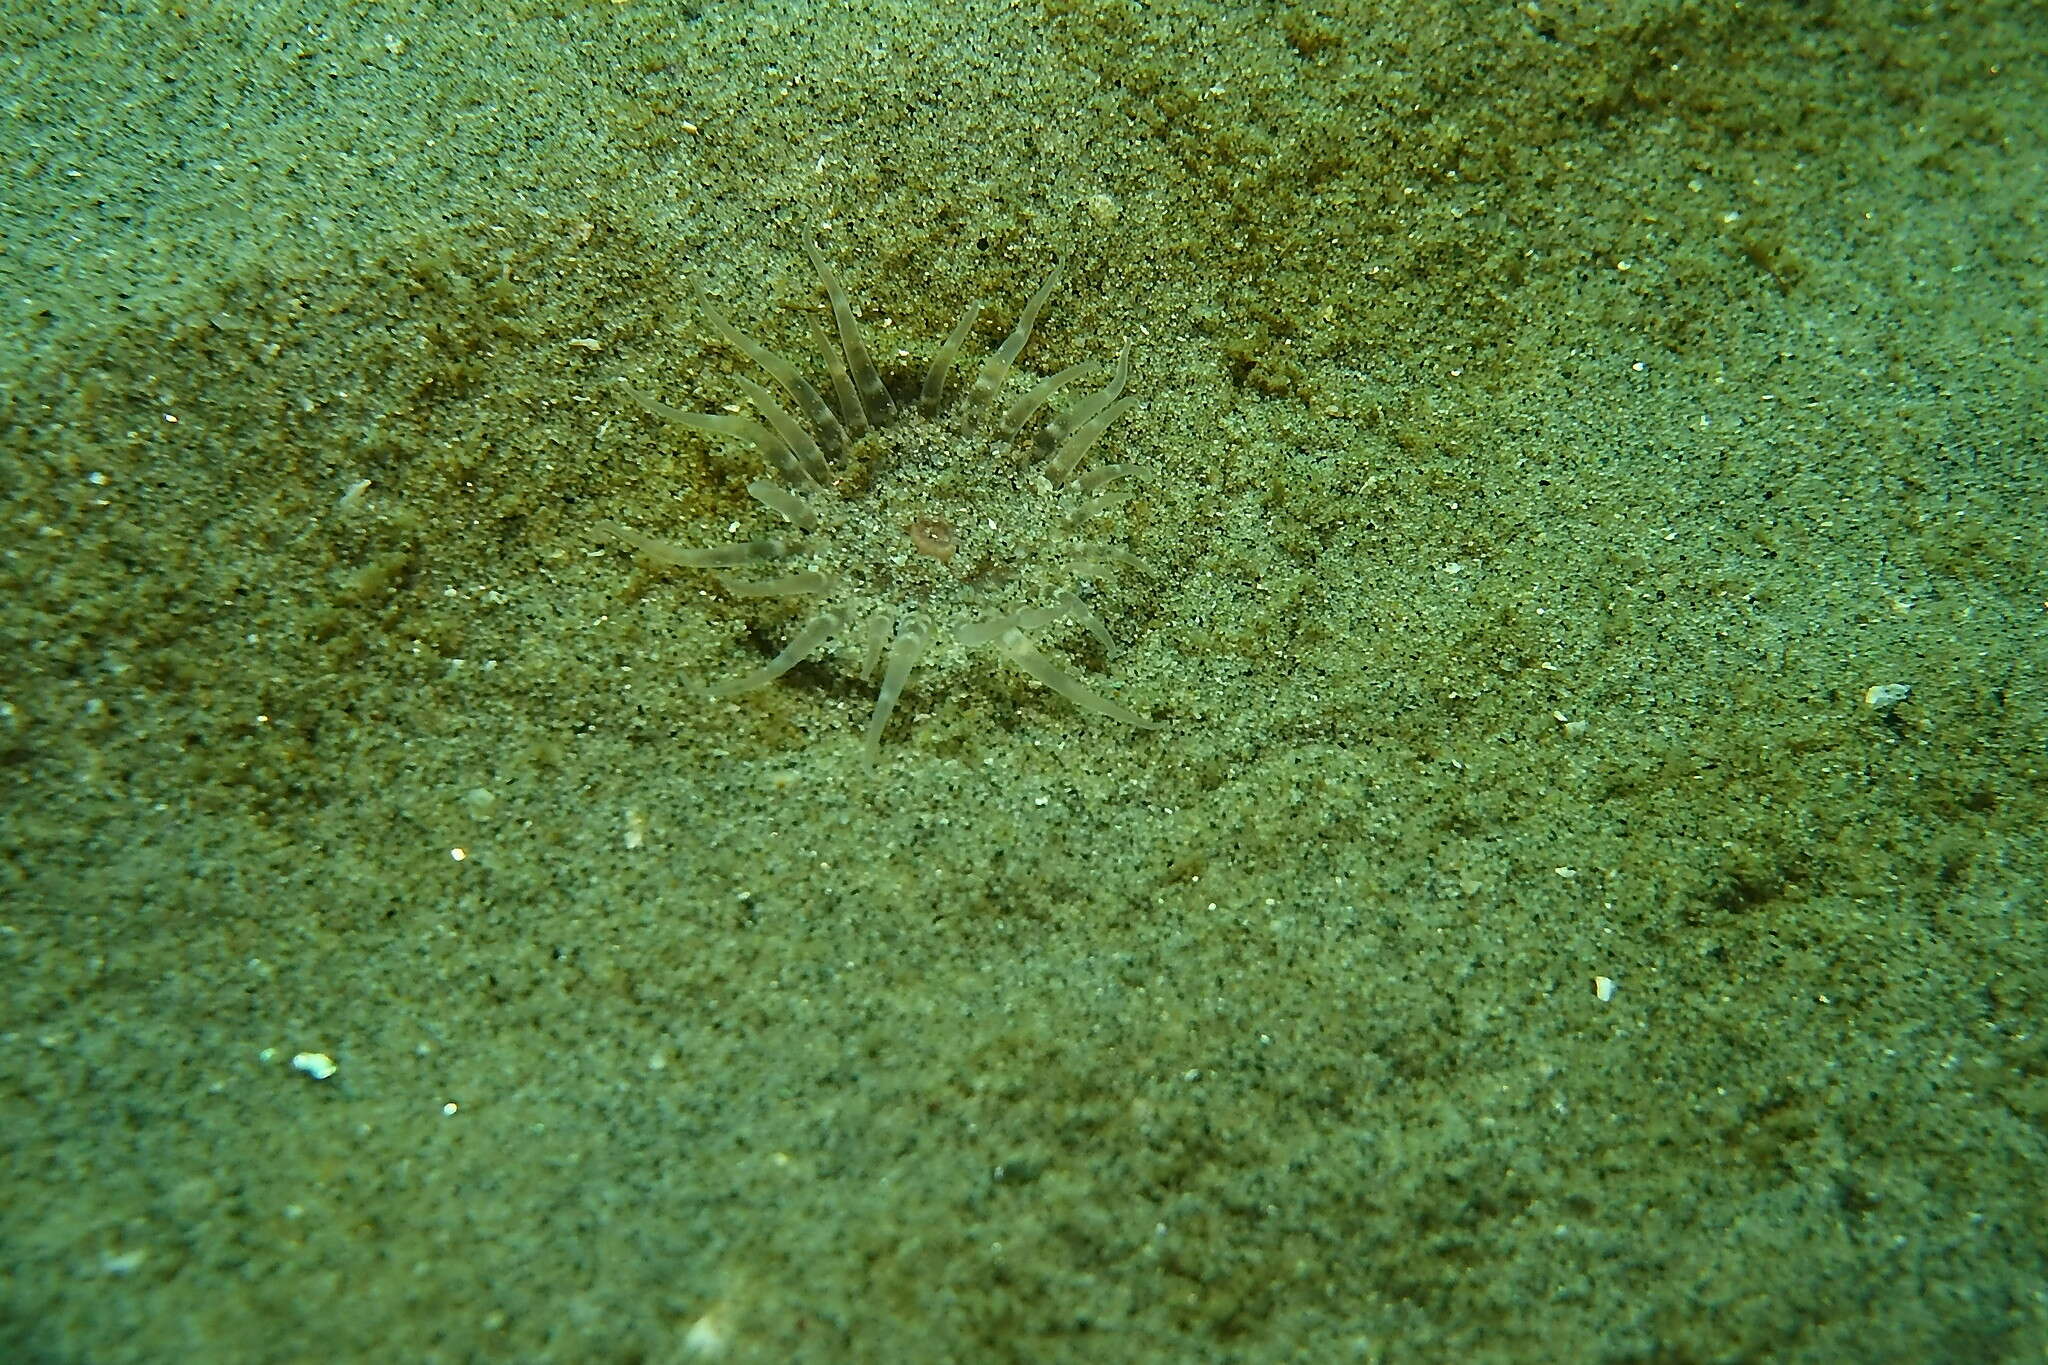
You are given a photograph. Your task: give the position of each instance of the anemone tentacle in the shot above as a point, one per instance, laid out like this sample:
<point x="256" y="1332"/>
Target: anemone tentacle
<point x="905" y="547"/>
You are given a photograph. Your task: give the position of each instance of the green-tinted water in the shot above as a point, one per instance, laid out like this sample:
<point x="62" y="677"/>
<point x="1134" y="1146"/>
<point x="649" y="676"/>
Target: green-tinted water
<point x="1555" y="421"/>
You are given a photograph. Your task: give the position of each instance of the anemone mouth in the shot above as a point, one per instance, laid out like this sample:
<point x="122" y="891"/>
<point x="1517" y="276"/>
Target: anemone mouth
<point x="918" y="523"/>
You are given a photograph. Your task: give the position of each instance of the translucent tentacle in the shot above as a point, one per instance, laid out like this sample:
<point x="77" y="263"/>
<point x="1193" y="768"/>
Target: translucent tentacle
<point x="875" y="639"/>
<point x="1020" y="650"/>
<point x="788" y="505"/>
<point x="697" y="556"/>
<point x="874" y="396"/>
<point x="842" y="383"/>
<point x="1084" y="438"/>
<point x="912" y="639"/>
<point x="733" y="428"/>
<point x="1056" y="430"/>
<point x="1069" y="604"/>
<point x="807" y="642"/>
<point x="805" y="584"/>
<point x="779" y="369"/>
<point x="1027" y="407"/>
<point x="790" y="431"/>
<point x="934" y="395"/>
<point x="996" y="368"/>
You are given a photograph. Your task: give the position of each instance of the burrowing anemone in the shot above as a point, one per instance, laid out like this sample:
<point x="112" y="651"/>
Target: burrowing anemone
<point x="917" y="523"/>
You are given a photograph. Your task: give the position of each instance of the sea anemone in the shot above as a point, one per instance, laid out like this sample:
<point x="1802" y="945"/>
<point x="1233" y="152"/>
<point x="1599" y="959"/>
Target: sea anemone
<point x="918" y="524"/>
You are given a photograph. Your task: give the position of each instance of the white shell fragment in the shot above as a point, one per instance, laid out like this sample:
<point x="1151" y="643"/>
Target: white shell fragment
<point x="1603" y="987"/>
<point x="710" y="1335"/>
<point x="318" y="1065"/>
<point x="1885" y="696"/>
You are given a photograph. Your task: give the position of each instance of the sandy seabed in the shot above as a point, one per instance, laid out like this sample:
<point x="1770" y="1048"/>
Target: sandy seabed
<point x="1583" y="901"/>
